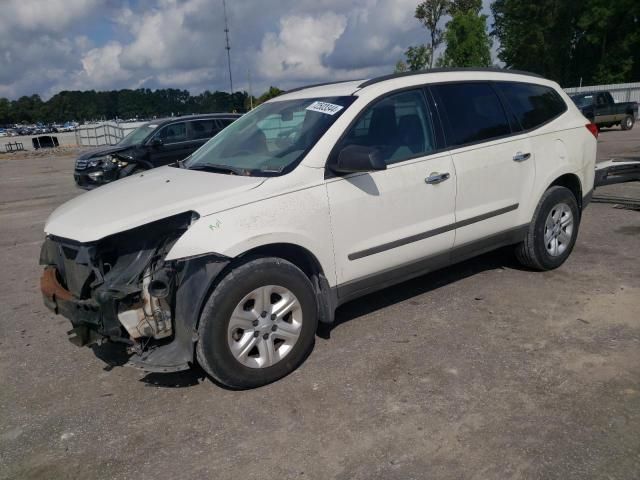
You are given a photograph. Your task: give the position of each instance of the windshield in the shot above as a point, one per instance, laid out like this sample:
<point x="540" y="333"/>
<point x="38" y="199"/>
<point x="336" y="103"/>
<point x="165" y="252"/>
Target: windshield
<point x="582" y="100"/>
<point x="270" y="140"/>
<point x="137" y="136"/>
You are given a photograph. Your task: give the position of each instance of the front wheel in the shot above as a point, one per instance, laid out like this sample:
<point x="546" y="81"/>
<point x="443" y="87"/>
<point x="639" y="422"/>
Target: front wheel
<point x="627" y="122"/>
<point x="258" y="324"/>
<point x="552" y="232"/>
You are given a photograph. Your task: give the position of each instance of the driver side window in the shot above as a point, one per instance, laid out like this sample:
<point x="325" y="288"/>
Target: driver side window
<point x="398" y="125"/>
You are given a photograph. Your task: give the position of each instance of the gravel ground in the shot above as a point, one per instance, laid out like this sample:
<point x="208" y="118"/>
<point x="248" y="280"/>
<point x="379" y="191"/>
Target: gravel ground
<point x="480" y="371"/>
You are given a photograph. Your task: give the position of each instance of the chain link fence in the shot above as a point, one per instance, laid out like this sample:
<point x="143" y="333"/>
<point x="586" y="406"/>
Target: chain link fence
<point x="107" y="133"/>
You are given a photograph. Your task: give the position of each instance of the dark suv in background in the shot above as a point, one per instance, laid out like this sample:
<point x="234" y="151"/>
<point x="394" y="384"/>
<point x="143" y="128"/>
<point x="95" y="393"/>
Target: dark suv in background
<point x="151" y="145"/>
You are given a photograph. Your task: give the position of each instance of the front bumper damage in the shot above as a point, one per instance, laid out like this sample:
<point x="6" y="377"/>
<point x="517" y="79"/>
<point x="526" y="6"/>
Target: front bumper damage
<point x="121" y="290"/>
<point x="95" y="177"/>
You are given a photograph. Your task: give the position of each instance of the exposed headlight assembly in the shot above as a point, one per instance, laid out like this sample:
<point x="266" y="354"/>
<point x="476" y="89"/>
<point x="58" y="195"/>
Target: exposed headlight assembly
<point x="119" y="163"/>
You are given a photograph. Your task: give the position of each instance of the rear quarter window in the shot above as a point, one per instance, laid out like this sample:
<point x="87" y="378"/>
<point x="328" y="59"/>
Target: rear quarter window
<point x="533" y="105"/>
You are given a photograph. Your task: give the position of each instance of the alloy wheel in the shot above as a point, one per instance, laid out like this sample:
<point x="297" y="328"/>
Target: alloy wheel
<point x="264" y="326"/>
<point x="558" y="229"/>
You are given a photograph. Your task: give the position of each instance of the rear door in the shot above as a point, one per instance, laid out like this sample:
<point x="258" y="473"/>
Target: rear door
<point x="493" y="159"/>
<point x="384" y="221"/>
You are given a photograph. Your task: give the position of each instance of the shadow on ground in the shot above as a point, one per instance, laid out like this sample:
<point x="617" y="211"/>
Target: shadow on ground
<point x="496" y="260"/>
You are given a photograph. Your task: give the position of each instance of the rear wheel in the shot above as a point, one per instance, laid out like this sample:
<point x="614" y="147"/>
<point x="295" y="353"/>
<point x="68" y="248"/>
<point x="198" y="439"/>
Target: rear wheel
<point x="258" y="325"/>
<point x="627" y="123"/>
<point x="553" y="231"/>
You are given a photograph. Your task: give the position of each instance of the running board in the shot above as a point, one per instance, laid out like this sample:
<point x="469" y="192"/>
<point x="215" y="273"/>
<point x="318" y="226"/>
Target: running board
<point x="618" y="170"/>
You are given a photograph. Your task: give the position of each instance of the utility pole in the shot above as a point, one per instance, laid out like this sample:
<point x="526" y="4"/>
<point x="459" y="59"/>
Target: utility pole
<point x="228" y="47"/>
<point x="250" y="92"/>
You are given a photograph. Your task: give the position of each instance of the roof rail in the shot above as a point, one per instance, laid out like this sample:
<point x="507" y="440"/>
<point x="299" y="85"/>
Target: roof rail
<point x="297" y="89"/>
<point x="383" y="78"/>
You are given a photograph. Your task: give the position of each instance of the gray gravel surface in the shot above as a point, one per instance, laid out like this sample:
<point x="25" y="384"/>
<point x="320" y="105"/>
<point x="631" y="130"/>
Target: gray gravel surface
<point x="479" y="371"/>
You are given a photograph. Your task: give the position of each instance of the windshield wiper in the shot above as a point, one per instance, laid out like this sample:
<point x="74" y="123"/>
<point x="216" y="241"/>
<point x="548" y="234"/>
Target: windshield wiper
<point x="220" y="169"/>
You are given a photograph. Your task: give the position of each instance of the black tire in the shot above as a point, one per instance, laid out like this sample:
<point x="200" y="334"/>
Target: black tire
<point x="627" y="122"/>
<point x="532" y="253"/>
<point x="212" y="350"/>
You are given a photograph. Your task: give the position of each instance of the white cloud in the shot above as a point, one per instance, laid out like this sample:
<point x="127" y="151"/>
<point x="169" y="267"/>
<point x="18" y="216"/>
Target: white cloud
<point x="50" y="45"/>
<point x="43" y="16"/>
<point x="299" y="49"/>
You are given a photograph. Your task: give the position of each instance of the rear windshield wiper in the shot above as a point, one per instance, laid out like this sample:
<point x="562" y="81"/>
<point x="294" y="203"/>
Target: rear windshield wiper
<point x="220" y="169"/>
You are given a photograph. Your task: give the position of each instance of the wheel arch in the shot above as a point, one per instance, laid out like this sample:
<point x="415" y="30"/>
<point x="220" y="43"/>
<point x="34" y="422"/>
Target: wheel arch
<point x="308" y="263"/>
<point x="572" y="182"/>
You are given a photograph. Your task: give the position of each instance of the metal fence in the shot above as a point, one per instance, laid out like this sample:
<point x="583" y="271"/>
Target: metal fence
<point x="108" y="133"/>
<point x="621" y="92"/>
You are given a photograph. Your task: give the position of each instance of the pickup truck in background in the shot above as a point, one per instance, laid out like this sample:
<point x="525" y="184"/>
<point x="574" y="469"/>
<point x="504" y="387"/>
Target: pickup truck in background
<point x="601" y="109"/>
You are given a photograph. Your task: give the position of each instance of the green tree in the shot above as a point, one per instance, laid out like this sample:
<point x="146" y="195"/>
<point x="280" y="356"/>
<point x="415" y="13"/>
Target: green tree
<point x="141" y="103"/>
<point x="468" y="43"/>
<point x="5" y="111"/>
<point x="607" y="49"/>
<point x="537" y="35"/>
<point x="429" y="13"/>
<point x="418" y="57"/>
<point x="401" y="67"/>
<point x="269" y="94"/>
<point x="463" y="6"/>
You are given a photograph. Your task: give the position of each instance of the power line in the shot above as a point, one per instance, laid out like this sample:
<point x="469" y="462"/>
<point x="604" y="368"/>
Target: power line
<point x="228" y="47"/>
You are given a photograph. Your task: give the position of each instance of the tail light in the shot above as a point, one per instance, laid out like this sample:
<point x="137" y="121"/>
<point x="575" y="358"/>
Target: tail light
<point x="593" y="128"/>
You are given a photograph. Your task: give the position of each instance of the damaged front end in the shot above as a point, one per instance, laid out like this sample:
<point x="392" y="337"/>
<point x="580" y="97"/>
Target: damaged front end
<point x="121" y="289"/>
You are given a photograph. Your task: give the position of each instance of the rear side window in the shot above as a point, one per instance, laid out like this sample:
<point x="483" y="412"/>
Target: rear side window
<point x="533" y="105"/>
<point x="472" y="111"/>
<point x="398" y="125"/>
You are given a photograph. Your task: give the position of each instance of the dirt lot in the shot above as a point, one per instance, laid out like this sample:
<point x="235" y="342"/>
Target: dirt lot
<point x="481" y="371"/>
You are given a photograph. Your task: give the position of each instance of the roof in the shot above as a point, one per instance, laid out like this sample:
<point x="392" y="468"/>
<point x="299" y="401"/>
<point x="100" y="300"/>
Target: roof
<point x="447" y="70"/>
<point x="351" y="87"/>
<point x="196" y="116"/>
<point x="330" y="89"/>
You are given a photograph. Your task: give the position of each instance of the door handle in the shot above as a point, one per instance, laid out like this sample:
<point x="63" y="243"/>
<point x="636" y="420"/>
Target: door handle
<point x="521" y="157"/>
<point x="435" y="178"/>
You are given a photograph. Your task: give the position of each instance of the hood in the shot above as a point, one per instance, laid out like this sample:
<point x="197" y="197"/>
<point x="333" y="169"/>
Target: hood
<point x="145" y="198"/>
<point x="101" y="152"/>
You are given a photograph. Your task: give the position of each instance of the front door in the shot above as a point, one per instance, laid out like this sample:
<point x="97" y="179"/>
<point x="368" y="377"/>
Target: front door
<point x="387" y="223"/>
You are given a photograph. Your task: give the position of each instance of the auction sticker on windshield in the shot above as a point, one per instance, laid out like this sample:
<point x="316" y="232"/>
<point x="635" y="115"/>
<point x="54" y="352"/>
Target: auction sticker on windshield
<point x="325" y="107"/>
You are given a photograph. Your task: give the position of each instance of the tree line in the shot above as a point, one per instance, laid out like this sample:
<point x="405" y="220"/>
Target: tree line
<point x="588" y="42"/>
<point x="141" y="103"/>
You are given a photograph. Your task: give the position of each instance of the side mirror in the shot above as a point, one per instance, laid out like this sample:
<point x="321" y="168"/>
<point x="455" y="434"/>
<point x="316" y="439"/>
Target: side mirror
<point x="359" y="158"/>
<point x="156" y="142"/>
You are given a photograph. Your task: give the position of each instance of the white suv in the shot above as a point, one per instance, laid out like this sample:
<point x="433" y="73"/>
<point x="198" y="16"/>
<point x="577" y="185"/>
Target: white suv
<point x="232" y="256"/>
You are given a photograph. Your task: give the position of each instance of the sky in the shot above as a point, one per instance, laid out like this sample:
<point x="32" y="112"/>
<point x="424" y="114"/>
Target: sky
<point x="47" y="46"/>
